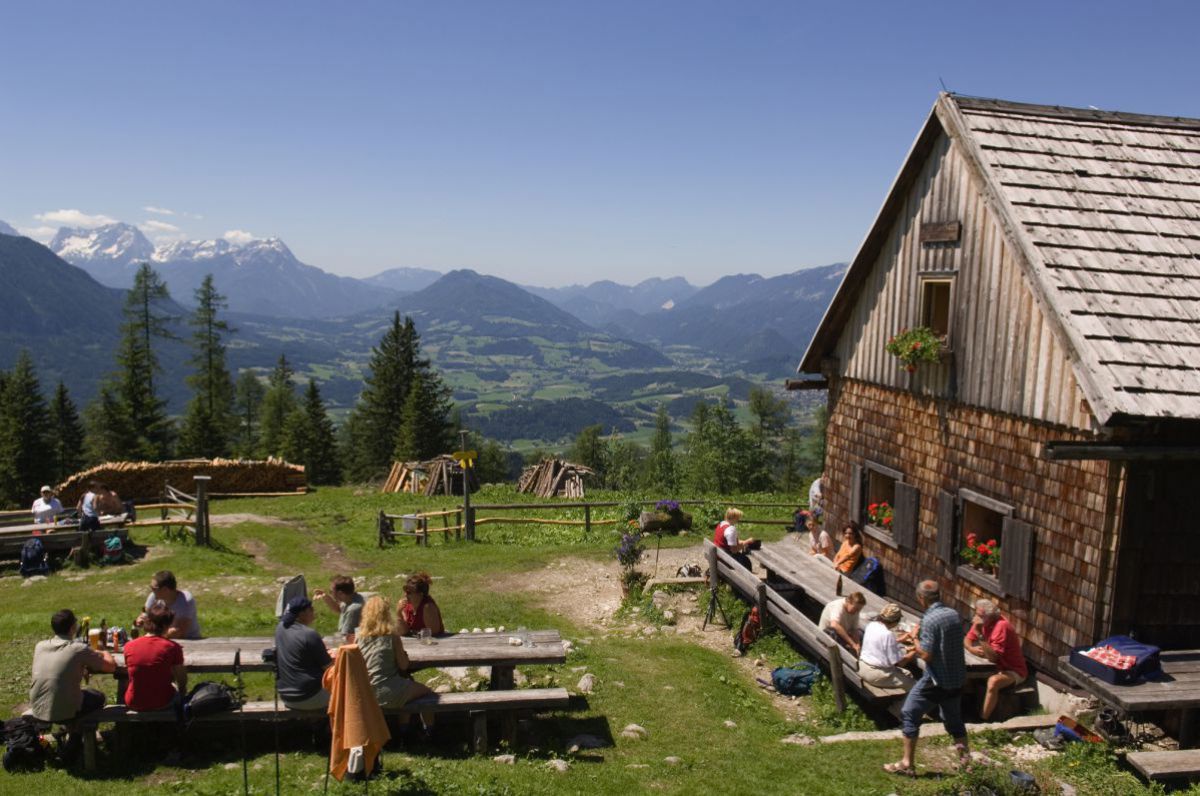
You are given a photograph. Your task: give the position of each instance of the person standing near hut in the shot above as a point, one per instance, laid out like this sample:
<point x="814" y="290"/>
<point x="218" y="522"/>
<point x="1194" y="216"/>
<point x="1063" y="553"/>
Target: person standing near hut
<point x="940" y="645"/>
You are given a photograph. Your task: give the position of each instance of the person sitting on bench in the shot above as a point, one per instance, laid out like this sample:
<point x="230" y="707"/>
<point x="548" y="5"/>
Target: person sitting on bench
<point x="59" y="666"/>
<point x="157" y="675"/>
<point x="387" y="662"/>
<point x="839" y="619"/>
<point x="992" y="637"/>
<point x="344" y="601"/>
<point x="417" y="611"/>
<point x="883" y="661"/>
<point x="725" y="536"/>
<point x="851" y="551"/>
<point x="300" y="658"/>
<point x="164" y="589"/>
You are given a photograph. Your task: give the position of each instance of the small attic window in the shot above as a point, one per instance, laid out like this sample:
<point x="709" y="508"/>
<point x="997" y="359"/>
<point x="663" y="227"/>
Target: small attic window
<point x="935" y="304"/>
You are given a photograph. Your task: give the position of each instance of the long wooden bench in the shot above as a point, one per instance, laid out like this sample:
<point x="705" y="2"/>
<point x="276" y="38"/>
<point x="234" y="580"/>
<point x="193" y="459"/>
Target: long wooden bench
<point x="1169" y="765"/>
<point x="477" y="704"/>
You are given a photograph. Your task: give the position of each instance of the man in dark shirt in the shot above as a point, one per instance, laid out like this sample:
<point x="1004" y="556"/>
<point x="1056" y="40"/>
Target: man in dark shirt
<point x="300" y="658"/>
<point x="940" y="646"/>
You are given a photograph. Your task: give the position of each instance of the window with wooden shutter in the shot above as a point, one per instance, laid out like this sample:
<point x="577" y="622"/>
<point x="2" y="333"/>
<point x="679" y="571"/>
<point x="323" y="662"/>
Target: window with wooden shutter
<point x="981" y="539"/>
<point x="856" y="493"/>
<point x="907" y="516"/>
<point x="1016" y="563"/>
<point x="879" y="501"/>
<point x="946" y="525"/>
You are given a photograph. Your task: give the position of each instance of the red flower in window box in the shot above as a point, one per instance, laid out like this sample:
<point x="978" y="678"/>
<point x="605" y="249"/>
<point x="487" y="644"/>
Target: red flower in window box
<point x="880" y="514"/>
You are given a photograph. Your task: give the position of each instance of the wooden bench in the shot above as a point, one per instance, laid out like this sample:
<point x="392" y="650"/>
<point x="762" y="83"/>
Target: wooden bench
<point x="1169" y="765"/>
<point x="476" y="704"/>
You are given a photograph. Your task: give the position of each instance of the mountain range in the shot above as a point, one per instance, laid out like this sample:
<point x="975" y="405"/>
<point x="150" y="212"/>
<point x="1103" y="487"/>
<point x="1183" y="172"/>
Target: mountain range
<point x="509" y="352"/>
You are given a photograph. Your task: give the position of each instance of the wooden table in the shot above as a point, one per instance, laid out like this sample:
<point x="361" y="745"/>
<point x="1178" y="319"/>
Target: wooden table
<point x="56" y="538"/>
<point x="1178" y="691"/>
<point x="816" y="577"/>
<point x="454" y="649"/>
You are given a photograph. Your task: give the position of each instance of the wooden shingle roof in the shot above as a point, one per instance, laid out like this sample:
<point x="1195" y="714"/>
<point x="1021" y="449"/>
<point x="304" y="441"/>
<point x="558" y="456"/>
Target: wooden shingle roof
<point x="1105" y="209"/>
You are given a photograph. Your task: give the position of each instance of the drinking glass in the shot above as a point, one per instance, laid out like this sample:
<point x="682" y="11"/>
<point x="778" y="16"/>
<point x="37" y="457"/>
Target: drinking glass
<point x="426" y="636"/>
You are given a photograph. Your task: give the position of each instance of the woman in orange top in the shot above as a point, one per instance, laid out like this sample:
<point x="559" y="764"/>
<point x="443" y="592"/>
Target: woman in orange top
<point x="851" y="552"/>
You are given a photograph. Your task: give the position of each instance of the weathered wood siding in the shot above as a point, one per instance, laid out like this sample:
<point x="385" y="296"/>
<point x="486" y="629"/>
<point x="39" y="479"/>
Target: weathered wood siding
<point x="1074" y="507"/>
<point x="1005" y="355"/>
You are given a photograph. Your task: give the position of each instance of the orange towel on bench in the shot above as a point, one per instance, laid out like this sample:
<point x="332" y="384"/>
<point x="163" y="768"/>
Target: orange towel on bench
<point x="355" y="718"/>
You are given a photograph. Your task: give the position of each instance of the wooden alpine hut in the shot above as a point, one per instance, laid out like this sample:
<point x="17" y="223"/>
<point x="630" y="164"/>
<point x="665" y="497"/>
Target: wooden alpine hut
<point x="1056" y="253"/>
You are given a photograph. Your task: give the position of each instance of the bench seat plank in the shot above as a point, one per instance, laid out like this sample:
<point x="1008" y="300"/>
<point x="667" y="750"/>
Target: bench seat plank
<point x="1179" y="763"/>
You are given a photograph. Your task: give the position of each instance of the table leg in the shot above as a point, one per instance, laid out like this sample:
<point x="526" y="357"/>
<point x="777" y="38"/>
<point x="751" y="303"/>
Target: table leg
<point x="122" y="684"/>
<point x="502" y="678"/>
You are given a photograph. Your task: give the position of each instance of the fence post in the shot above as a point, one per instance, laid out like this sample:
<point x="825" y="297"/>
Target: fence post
<point x="712" y="567"/>
<point x="587" y="518"/>
<point x="202" y="531"/>
<point x="469" y="523"/>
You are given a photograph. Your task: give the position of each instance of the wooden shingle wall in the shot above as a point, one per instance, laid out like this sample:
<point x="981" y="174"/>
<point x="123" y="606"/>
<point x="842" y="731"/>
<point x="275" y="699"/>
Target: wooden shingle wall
<point x="939" y="445"/>
<point x="1006" y="356"/>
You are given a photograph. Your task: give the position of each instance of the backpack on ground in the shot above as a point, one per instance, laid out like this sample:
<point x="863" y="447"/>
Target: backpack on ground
<point x="33" y="558"/>
<point x="748" y="632"/>
<point x="869" y="575"/>
<point x="208" y="698"/>
<point x="23" y="745"/>
<point x="114" y="551"/>
<point x="796" y="680"/>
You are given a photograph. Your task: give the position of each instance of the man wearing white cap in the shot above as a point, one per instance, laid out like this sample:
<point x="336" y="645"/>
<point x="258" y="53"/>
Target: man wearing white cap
<point x="46" y="508"/>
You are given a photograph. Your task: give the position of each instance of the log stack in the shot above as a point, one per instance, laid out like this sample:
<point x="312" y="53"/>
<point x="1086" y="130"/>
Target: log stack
<point x="144" y="481"/>
<point x="407" y="477"/>
<point x="554" y="478"/>
<point x="440" y="476"/>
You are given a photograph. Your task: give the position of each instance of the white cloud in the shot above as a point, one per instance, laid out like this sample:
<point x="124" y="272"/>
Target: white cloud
<point x="239" y="237"/>
<point x="74" y="218"/>
<point x="160" y="211"/>
<point x="40" y="234"/>
<point x="161" y="232"/>
<point x="158" y="227"/>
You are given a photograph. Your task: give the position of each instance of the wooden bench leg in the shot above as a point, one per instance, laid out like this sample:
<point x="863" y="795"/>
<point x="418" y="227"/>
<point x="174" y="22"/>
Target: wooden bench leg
<point x="1187" y="728"/>
<point x="508" y="729"/>
<point x="502" y="678"/>
<point x="479" y="731"/>
<point x="89" y="748"/>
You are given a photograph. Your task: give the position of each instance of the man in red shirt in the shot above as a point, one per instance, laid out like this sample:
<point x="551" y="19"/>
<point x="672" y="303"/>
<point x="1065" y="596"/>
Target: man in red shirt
<point x="992" y="637"/>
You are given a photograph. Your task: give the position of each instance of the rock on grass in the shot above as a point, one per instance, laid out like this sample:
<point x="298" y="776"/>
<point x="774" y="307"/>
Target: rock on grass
<point x="635" y="731"/>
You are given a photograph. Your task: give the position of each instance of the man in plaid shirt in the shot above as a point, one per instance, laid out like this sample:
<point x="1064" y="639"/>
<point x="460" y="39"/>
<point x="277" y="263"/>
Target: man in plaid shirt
<point x="940" y="646"/>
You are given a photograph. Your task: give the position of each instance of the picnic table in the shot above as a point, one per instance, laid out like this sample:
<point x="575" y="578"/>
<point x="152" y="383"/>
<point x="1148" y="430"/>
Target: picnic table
<point x="817" y="578"/>
<point x="1176" y="692"/>
<point x="57" y="538"/>
<point x="452" y="649"/>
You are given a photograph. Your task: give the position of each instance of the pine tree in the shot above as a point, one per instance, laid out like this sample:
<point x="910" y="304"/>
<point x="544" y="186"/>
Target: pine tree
<point x="771" y="416"/>
<point x="309" y="439"/>
<point x="110" y="435"/>
<point x="720" y="455"/>
<point x="424" y="430"/>
<point x="24" y="435"/>
<point x="278" y="403"/>
<point x="248" y="403"/>
<point x="66" y="436"/>
<point x="144" y="323"/>
<point x="591" y="450"/>
<point x="208" y="424"/>
<point x="663" y="473"/>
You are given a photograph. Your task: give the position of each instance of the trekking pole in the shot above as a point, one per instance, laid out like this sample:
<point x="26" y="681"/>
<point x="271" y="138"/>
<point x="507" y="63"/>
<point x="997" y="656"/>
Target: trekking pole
<point x="241" y="687"/>
<point x="275" y="723"/>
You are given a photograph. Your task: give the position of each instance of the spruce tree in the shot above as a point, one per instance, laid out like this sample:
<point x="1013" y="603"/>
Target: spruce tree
<point x="66" y="436"/>
<point x="25" y="463"/>
<point x="424" y="428"/>
<point x="771" y="415"/>
<point x="309" y="439"/>
<point x="144" y="323"/>
<point x="278" y="403"/>
<point x="663" y="470"/>
<point x="247" y="404"/>
<point x="109" y="431"/>
<point x="208" y="423"/>
<point x="720" y="455"/>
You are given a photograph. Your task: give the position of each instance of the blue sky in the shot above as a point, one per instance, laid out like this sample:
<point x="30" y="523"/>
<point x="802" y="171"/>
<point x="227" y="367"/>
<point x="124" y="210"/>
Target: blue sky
<point x="543" y="142"/>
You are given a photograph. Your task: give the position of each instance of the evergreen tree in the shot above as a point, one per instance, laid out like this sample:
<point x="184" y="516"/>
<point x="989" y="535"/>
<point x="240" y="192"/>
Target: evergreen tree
<point x="144" y="323"/>
<point x="812" y="453"/>
<point x="66" y="436"/>
<point x="110" y="435"/>
<point x="771" y="415"/>
<point x="663" y="473"/>
<point x="627" y="464"/>
<point x="386" y="390"/>
<point x="209" y="421"/>
<point x="591" y="450"/>
<point x="278" y="403"/>
<point x="720" y="455"/>
<point x="24" y="435"/>
<point x="424" y="429"/>
<point x="247" y="403"/>
<point x="309" y="439"/>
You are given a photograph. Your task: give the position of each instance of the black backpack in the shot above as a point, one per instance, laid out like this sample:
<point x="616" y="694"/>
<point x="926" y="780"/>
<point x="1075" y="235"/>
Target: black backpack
<point x="208" y="698"/>
<point x="33" y="558"/>
<point x="24" y="750"/>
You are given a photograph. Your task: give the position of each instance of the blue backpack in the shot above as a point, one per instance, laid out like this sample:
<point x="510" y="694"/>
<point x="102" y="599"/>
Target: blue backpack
<point x="795" y="680"/>
<point x="33" y="558"/>
<point x="114" y="551"/>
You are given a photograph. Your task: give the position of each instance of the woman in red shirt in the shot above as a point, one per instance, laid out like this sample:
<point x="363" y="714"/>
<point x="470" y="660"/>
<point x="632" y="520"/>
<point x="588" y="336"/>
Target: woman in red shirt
<point x="417" y="610"/>
<point x="157" y="676"/>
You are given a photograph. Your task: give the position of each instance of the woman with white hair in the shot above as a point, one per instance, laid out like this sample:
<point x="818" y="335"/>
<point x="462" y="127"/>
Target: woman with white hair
<point x="882" y="660"/>
<point x="992" y="637"/>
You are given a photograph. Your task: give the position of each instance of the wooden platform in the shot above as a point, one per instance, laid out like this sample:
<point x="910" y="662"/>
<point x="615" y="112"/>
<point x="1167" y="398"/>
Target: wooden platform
<point x="1169" y="765"/>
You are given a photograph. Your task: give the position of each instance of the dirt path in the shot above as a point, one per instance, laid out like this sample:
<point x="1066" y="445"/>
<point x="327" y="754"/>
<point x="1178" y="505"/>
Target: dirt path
<point x="226" y="520"/>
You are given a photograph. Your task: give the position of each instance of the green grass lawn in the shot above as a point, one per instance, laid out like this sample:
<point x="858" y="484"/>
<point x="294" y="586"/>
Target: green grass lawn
<point x="682" y="693"/>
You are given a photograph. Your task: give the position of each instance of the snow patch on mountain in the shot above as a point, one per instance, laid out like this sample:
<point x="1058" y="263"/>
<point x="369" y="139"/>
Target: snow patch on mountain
<point x="114" y="243"/>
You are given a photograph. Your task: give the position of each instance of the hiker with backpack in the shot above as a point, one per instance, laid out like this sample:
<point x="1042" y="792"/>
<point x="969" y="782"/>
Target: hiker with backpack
<point x="157" y="675"/>
<point x="59" y="667"/>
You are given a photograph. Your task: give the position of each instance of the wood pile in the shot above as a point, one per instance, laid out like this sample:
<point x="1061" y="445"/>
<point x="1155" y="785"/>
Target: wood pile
<point x="144" y="481"/>
<point x="440" y="476"/>
<point x="554" y="478"/>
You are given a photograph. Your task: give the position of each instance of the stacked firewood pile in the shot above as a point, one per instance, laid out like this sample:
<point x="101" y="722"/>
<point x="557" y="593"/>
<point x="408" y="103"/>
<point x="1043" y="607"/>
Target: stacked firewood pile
<point x="554" y="478"/>
<point x="144" y="481"/>
<point x="440" y="476"/>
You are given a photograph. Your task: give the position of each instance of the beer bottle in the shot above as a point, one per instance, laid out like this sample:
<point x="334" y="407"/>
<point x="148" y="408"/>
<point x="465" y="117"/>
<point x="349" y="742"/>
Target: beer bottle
<point x="838" y="590"/>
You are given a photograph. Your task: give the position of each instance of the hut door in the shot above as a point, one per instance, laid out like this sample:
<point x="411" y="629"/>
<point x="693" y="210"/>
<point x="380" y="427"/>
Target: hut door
<point x="1158" y="564"/>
